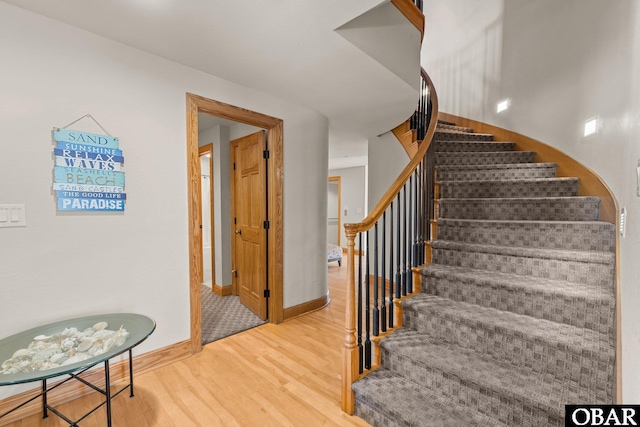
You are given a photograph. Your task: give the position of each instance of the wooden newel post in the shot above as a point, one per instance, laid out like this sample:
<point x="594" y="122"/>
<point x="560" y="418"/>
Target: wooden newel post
<point x="350" y="350"/>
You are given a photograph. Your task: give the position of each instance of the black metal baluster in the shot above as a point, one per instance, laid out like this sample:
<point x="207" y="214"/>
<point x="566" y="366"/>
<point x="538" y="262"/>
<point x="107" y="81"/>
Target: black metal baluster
<point x="404" y="240"/>
<point x="376" y="310"/>
<point x="391" y="284"/>
<point x="423" y="208"/>
<point x="398" y="248"/>
<point x="359" y="320"/>
<point x="383" y="307"/>
<point x="409" y="242"/>
<point x="430" y="187"/>
<point x="367" y="341"/>
<point x="419" y="114"/>
<point x="416" y="230"/>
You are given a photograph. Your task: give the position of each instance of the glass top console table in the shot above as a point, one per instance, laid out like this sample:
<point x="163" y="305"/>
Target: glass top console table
<point x="71" y="347"/>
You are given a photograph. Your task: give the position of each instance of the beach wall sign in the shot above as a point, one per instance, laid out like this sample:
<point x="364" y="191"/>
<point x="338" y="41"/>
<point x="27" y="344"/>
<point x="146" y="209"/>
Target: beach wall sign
<point x="87" y="174"/>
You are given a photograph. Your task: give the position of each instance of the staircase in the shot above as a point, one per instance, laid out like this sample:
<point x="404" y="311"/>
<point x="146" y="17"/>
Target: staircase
<point x="516" y="314"/>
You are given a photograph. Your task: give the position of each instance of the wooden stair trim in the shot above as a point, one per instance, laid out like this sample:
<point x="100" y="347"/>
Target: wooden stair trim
<point x="590" y="185"/>
<point x="412" y="13"/>
<point x="407" y="138"/>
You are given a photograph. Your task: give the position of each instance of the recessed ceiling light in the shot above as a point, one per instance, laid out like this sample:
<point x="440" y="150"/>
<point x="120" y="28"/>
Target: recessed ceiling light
<point x="502" y="105"/>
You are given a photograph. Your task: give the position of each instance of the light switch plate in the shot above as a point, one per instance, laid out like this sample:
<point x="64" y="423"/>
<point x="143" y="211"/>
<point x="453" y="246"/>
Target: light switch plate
<point x="13" y="216"/>
<point x="638" y="179"/>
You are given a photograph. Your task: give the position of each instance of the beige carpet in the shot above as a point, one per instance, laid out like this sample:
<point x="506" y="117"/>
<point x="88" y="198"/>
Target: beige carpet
<point x="224" y="316"/>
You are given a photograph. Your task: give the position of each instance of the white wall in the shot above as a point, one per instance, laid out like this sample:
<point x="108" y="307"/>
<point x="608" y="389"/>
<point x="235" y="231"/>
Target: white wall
<point x="387" y="158"/>
<point x="560" y="63"/>
<point x="67" y="265"/>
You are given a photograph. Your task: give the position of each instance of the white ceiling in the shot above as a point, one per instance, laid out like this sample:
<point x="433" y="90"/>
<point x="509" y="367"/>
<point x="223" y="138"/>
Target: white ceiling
<point x="287" y="48"/>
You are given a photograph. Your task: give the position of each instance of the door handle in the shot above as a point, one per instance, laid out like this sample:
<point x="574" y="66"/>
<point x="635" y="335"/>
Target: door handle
<point x="238" y="231"/>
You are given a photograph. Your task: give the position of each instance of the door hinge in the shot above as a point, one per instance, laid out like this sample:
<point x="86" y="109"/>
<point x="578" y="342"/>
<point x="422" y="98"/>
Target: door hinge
<point x="234" y="166"/>
<point x="265" y="225"/>
<point x="235" y="273"/>
<point x="235" y="220"/>
<point x="265" y="154"/>
<point x="267" y="293"/>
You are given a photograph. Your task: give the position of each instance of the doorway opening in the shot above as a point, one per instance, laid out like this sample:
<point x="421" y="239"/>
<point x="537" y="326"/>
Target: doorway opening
<point x="334" y="209"/>
<point x="206" y="196"/>
<point x="274" y="183"/>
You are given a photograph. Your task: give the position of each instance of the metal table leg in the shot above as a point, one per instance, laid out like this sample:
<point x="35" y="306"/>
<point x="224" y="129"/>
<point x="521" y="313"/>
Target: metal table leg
<point x="131" y="372"/>
<point x="45" y="413"/>
<point x="107" y="391"/>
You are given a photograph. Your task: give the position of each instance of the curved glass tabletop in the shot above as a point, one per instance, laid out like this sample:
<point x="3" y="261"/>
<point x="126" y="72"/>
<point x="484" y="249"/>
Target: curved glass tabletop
<point x="139" y="327"/>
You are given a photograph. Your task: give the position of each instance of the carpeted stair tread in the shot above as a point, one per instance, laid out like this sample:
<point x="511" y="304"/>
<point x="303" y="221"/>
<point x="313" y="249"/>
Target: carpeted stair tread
<point x="503" y="325"/>
<point x="568" y="235"/>
<point x="495" y="171"/>
<point x="484" y="157"/>
<point x="595" y="257"/>
<point x="576" y="208"/>
<point x="465" y="146"/>
<point x="590" y="267"/>
<point x="393" y="400"/>
<point x="496" y="166"/>
<point x="445" y="122"/>
<point x="540" y="187"/>
<point x="452" y="127"/>
<point x="565" y="352"/>
<point x="477" y="379"/>
<point x="448" y="135"/>
<point x="582" y="305"/>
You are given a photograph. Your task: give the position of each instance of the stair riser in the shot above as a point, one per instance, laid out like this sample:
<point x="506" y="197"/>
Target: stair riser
<point x="482" y="158"/>
<point x="461" y="136"/>
<point x="579" y="237"/>
<point x="461" y="146"/>
<point x="521" y="351"/>
<point x="486" y="401"/>
<point x="444" y="126"/>
<point x="573" y="311"/>
<point x="519" y="210"/>
<point x="374" y="416"/>
<point x="495" y="174"/>
<point x="571" y="271"/>
<point x="507" y="189"/>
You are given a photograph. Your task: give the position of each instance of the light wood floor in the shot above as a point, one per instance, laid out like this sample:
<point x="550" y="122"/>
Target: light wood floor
<point x="284" y="375"/>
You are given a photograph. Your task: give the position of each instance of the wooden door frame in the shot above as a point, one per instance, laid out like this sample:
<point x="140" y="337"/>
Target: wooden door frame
<point x="208" y="149"/>
<point x="275" y="177"/>
<point x="339" y="180"/>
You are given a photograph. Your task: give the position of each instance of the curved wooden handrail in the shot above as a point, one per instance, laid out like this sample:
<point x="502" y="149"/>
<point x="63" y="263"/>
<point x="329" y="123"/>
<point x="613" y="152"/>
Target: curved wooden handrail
<point x="350" y="364"/>
<point x="390" y="194"/>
